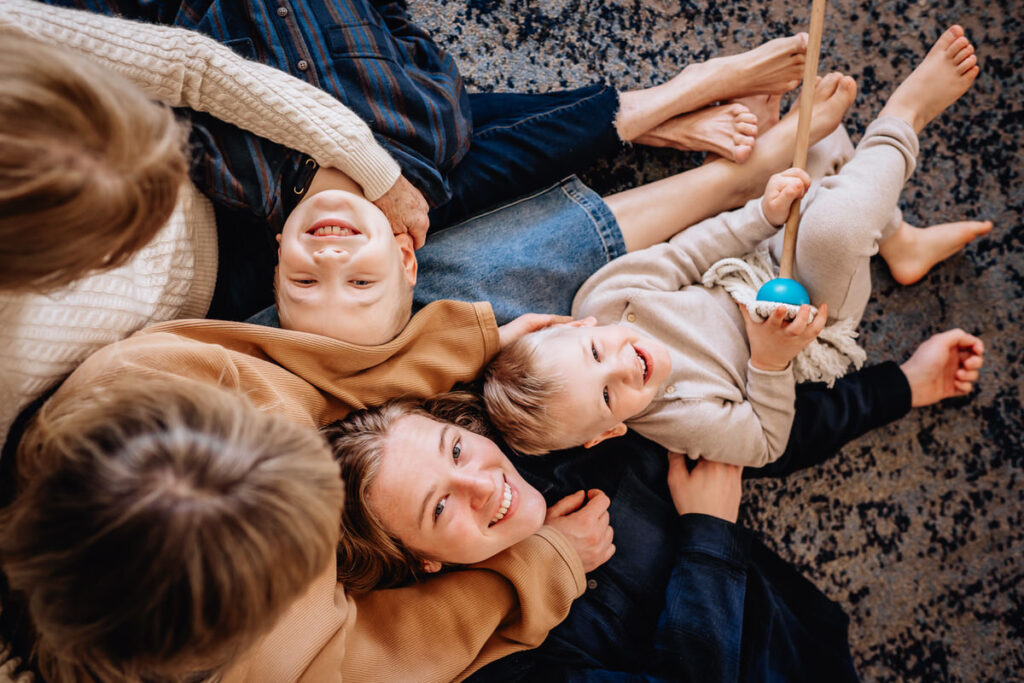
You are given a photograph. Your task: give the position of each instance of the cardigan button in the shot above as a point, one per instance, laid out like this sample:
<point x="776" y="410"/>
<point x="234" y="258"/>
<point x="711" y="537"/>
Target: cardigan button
<point x="670" y="389"/>
<point x="302" y="65"/>
<point x="282" y="11"/>
<point x="591" y="584"/>
<point x="631" y="318"/>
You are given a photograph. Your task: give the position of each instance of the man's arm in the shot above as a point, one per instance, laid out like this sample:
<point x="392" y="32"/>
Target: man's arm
<point x="186" y="69"/>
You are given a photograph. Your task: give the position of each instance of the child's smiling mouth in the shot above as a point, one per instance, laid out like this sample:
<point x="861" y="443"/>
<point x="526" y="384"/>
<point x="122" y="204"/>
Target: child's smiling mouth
<point x="645" y="363"/>
<point x="332" y="227"/>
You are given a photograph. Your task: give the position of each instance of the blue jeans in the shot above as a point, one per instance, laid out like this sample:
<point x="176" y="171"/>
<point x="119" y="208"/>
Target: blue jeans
<point x="525" y="141"/>
<point x="529" y="256"/>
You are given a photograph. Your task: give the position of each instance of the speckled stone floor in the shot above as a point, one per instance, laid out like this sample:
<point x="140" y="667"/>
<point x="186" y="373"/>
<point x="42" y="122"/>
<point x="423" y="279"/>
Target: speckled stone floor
<point x="916" y="529"/>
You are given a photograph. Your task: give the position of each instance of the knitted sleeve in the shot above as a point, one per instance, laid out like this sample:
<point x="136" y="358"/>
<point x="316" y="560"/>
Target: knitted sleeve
<point x="185" y="69"/>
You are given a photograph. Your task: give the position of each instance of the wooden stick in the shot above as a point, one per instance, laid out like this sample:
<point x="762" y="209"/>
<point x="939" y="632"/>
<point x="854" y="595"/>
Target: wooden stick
<point x="803" y="131"/>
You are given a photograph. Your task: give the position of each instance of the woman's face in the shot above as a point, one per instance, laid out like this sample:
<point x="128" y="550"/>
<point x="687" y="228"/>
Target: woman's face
<point x="451" y="495"/>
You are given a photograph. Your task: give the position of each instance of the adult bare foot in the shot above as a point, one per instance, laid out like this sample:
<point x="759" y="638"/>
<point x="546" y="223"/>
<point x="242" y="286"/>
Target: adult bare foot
<point x="911" y="252"/>
<point x="772" y="68"/>
<point x="727" y="130"/>
<point x="833" y="95"/>
<point x="946" y="73"/>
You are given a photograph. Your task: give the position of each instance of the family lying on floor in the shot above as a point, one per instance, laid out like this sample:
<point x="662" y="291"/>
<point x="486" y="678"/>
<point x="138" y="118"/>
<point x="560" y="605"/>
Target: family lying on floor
<point x="177" y="509"/>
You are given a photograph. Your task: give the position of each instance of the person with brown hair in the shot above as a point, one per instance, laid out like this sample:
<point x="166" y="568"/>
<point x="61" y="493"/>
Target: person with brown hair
<point x="164" y="528"/>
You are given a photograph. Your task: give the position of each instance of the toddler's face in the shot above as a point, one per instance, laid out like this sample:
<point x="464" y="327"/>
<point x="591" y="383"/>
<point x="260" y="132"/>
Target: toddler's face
<point x="341" y="273"/>
<point x="610" y="374"/>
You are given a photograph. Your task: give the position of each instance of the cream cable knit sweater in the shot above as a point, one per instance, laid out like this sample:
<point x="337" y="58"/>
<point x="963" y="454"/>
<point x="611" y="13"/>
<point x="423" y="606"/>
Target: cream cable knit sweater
<point x="43" y="337"/>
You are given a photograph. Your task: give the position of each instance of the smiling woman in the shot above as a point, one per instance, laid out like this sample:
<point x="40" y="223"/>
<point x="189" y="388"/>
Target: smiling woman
<point x="686" y="595"/>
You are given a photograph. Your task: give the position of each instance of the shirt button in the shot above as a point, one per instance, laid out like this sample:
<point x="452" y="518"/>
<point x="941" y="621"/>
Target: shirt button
<point x="670" y="389"/>
<point x="303" y="65"/>
<point x="591" y="584"/>
<point x="282" y="11"/>
<point x="631" y="318"/>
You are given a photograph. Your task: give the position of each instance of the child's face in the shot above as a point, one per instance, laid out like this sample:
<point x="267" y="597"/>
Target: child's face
<point x="610" y="374"/>
<point x="341" y="273"/>
<point x="450" y="494"/>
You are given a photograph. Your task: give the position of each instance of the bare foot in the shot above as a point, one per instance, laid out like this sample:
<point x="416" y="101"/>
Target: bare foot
<point x="911" y="252"/>
<point x="765" y="108"/>
<point x="833" y="95"/>
<point x="728" y="130"/>
<point x="946" y="73"/>
<point x="773" y="68"/>
<point x="770" y="69"/>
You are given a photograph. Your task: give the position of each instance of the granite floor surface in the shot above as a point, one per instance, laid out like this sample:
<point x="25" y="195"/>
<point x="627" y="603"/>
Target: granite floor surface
<point x="915" y="529"/>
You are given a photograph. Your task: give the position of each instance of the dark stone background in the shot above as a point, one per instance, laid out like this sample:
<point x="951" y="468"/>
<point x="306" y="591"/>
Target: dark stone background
<point x="914" y="529"/>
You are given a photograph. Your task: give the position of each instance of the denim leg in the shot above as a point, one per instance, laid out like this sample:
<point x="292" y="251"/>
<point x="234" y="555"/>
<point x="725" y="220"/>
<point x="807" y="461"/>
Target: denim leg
<point x="522" y="142"/>
<point x="528" y="256"/>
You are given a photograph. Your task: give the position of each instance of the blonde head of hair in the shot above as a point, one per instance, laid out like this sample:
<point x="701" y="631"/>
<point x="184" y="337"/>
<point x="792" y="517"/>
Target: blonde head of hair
<point x="90" y="168"/>
<point x="518" y="394"/>
<point x="171" y="526"/>
<point x="369" y="556"/>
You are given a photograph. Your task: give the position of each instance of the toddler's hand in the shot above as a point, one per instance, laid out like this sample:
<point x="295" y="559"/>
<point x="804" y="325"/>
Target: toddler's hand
<point x="945" y="365"/>
<point x="775" y="342"/>
<point x="783" y="189"/>
<point x="711" y="488"/>
<point x="586" y="528"/>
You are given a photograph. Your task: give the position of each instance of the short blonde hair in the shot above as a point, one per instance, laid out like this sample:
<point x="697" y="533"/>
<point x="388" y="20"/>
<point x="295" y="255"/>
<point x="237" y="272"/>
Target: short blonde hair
<point x="171" y="526"/>
<point x="369" y="556"/>
<point x="90" y="168"/>
<point x="518" y="393"/>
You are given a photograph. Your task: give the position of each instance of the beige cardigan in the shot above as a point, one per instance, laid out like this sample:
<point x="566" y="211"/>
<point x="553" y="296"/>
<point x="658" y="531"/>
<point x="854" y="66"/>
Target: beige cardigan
<point x="441" y="629"/>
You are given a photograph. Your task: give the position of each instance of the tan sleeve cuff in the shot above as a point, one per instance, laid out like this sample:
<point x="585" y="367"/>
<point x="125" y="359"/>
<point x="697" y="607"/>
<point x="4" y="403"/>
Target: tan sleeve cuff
<point x="568" y="553"/>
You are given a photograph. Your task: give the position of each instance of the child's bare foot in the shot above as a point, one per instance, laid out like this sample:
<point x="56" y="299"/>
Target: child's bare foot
<point x="765" y="108"/>
<point x="728" y="130"/>
<point x="770" y="69"/>
<point x="945" y="74"/>
<point x="911" y="252"/>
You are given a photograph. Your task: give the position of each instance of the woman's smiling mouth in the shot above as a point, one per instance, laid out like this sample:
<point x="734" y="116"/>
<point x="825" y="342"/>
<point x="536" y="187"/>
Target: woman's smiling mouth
<point x="503" y="507"/>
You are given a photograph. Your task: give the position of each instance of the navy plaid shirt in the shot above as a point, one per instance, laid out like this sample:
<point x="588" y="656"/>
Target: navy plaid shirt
<point x="364" y="52"/>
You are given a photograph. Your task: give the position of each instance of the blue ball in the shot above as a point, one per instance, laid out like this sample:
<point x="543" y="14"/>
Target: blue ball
<point x="782" y="290"/>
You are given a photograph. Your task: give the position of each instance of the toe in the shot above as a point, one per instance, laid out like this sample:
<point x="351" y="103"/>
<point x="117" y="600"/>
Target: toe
<point x="747" y="129"/>
<point x="967" y="65"/>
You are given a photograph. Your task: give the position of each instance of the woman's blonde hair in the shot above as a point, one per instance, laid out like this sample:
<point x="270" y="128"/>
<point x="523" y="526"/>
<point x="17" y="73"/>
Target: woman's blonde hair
<point x="171" y="526"/>
<point x="90" y="168"/>
<point x="369" y="556"/>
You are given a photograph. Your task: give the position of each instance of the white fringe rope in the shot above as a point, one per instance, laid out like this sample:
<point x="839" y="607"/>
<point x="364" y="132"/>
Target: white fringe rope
<point x="823" y="360"/>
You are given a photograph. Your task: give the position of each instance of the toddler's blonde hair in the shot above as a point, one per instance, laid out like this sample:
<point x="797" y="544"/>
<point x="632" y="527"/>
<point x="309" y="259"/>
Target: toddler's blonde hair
<point x="518" y="394"/>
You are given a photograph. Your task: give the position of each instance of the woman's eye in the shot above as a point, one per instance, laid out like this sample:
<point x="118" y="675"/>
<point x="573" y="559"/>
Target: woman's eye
<point x="593" y="351"/>
<point x="439" y="508"/>
<point x="456" y="450"/>
<point x="607" y="399"/>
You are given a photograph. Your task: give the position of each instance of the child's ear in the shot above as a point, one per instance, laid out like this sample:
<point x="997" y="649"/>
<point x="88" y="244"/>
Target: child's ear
<point x="408" y="254"/>
<point x="431" y="566"/>
<point x="610" y="433"/>
<point x="589" y="321"/>
<point x="278" y="236"/>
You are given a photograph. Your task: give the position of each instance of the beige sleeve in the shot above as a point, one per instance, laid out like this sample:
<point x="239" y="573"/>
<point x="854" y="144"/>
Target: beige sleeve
<point x="480" y="614"/>
<point x="185" y="69"/>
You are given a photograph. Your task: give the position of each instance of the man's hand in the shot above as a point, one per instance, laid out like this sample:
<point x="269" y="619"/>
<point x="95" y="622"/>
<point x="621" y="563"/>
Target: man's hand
<point x="945" y="365"/>
<point x="711" y="488"/>
<point x="775" y="342"/>
<point x="406" y="209"/>
<point x="783" y="189"/>
<point x="525" y="324"/>
<point x="586" y="528"/>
